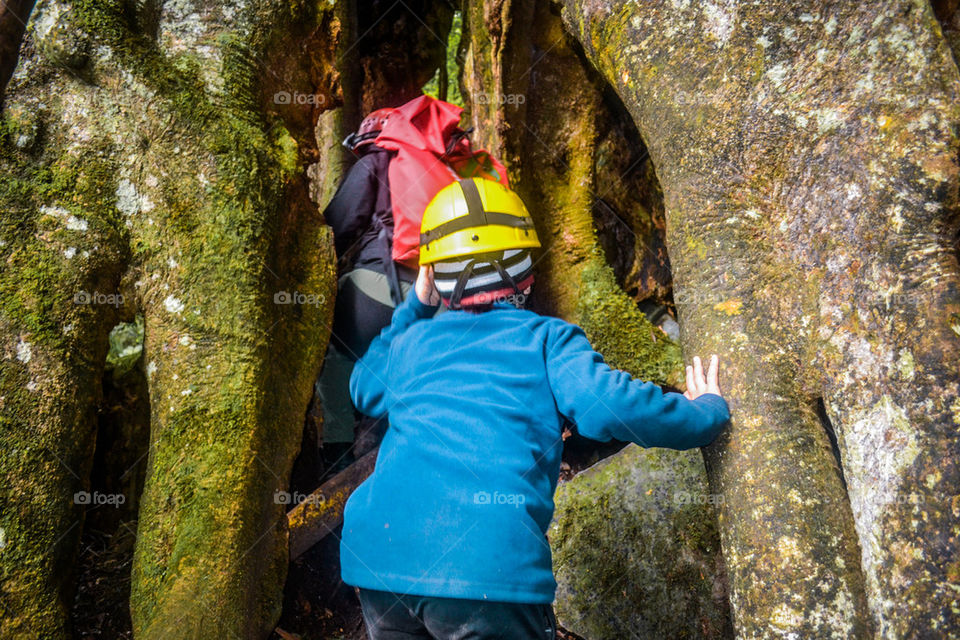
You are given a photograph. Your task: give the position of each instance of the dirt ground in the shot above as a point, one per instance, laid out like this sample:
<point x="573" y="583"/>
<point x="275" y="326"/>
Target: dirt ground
<point x="317" y="604"/>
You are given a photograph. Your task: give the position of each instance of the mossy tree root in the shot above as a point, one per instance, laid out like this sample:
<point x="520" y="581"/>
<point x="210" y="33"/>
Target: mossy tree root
<point x="535" y="104"/>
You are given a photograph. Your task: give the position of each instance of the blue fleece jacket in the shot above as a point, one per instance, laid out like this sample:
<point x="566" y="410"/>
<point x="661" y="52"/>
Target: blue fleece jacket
<point x="462" y="493"/>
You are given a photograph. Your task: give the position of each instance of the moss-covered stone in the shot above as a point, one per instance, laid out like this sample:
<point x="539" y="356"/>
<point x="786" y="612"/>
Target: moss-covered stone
<point x="636" y="550"/>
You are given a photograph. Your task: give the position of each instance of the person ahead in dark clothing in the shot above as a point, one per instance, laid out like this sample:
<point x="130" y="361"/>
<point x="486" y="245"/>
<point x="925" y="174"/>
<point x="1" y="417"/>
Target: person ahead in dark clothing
<point x="360" y="215"/>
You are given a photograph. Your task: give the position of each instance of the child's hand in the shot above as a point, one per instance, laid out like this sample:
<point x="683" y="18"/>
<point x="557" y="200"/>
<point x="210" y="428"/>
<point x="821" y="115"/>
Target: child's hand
<point x="426" y="291"/>
<point x="696" y="384"/>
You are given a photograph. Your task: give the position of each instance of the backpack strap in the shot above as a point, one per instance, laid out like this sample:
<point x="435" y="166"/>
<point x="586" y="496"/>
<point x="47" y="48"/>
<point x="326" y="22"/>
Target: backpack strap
<point x="352" y="140"/>
<point x="385" y="250"/>
<point x="455" y="140"/>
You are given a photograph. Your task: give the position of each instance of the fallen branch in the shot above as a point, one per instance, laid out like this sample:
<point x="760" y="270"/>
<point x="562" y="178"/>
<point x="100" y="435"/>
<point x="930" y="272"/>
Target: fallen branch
<point x="322" y="512"/>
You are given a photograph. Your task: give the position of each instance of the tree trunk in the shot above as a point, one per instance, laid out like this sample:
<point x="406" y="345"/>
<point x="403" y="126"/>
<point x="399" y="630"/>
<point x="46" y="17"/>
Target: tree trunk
<point x="166" y="145"/>
<point x="153" y="159"/>
<point x="807" y="154"/>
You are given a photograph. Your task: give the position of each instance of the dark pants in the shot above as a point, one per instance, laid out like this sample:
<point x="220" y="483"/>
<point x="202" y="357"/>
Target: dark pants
<point x="362" y="309"/>
<point x="402" y="617"/>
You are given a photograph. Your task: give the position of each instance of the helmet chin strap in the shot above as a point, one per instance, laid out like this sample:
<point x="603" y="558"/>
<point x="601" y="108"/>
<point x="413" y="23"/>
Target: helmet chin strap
<point x="461" y="284"/>
<point x="506" y="276"/>
<point x="464" y="277"/>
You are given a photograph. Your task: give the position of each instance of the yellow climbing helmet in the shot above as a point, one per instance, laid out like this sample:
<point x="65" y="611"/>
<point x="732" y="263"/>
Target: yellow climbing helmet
<point x="472" y="216"/>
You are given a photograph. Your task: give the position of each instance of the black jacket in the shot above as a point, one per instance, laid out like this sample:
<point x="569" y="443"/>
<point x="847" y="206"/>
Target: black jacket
<point x="359" y="209"/>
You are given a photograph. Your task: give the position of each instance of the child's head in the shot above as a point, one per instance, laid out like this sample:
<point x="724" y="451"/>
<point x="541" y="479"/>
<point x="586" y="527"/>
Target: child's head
<point x="477" y="234"/>
<point x="480" y="280"/>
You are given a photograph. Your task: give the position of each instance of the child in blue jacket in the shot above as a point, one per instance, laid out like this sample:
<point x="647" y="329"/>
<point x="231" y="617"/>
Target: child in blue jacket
<point x="447" y="537"/>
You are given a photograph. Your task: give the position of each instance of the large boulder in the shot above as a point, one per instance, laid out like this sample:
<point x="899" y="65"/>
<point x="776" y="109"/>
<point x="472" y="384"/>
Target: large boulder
<point x="636" y="550"/>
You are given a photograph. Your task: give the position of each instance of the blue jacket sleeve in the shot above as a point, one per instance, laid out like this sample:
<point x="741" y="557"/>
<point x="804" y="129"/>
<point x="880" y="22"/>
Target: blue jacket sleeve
<point x="369" y="382"/>
<point x="605" y="403"/>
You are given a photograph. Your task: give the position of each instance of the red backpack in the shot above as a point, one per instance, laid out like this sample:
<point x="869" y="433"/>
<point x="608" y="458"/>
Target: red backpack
<point x="431" y="152"/>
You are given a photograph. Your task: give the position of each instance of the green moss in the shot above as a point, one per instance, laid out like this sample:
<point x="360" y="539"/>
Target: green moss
<point x="79" y="185"/>
<point x="234" y="370"/>
<point x="452" y="65"/>
<point x="49" y="258"/>
<point x="561" y="156"/>
<point x="629" y="558"/>
<point x="42" y="461"/>
<point x="286" y="150"/>
<point x="621" y="332"/>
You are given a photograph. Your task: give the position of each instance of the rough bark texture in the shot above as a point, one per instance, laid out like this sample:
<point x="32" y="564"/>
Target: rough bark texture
<point x="533" y="101"/>
<point x="808" y="158"/>
<point x="949" y="17"/>
<point x="401" y="45"/>
<point x="536" y="107"/>
<point x="156" y="145"/>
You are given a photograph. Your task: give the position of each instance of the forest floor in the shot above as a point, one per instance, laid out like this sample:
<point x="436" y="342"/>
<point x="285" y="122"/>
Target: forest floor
<point x="317" y="604"/>
<point x="100" y="609"/>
